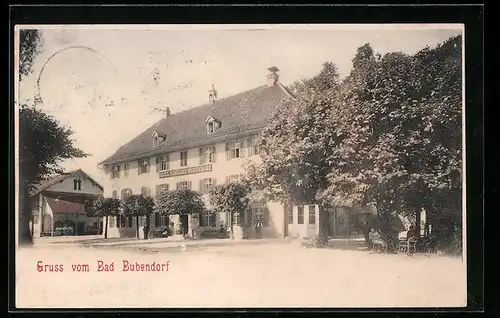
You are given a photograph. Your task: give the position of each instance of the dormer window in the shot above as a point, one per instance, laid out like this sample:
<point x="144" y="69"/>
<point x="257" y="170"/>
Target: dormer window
<point x="212" y="125"/>
<point x="158" y="139"/>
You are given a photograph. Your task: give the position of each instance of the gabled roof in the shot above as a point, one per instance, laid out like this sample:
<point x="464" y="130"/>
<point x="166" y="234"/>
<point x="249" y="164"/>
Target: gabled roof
<point x="247" y="111"/>
<point x="64" y="206"/>
<point x="48" y="183"/>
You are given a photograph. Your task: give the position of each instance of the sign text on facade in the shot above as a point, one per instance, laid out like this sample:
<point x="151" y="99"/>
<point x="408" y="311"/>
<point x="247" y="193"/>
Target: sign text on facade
<point x="184" y="171"/>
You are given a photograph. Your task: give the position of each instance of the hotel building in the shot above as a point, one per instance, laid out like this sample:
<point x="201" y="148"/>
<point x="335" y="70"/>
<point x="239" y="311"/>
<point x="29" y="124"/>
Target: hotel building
<point x="199" y="148"/>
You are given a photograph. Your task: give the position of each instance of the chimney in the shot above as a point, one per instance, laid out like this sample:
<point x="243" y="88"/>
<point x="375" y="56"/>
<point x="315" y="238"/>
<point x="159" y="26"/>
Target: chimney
<point x="167" y="112"/>
<point x="272" y="76"/>
<point x="212" y="95"/>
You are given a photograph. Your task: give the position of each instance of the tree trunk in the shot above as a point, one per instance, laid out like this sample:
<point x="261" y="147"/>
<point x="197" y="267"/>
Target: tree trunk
<point x="106" y="227"/>
<point x="25" y="237"/>
<point x="137" y="226"/>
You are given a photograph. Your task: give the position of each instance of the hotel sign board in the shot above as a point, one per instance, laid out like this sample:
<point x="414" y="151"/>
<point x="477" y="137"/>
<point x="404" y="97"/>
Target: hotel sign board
<point x="184" y="171"/>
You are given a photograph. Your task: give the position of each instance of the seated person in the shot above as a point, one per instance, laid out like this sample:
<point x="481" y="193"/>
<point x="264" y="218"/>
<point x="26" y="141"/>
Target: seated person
<point x="411" y="232"/>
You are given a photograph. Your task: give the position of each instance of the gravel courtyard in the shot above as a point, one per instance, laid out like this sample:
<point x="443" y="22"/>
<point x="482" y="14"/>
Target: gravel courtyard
<point x="238" y="276"/>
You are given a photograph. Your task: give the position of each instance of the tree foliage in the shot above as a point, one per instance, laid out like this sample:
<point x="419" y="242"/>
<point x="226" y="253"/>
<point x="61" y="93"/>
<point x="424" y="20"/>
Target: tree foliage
<point x="294" y="146"/>
<point x="389" y="134"/>
<point x="137" y="205"/>
<point x="43" y="145"/>
<point x="230" y="198"/>
<point x="102" y="207"/>
<point x="179" y="202"/>
<point x="30" y="45"/>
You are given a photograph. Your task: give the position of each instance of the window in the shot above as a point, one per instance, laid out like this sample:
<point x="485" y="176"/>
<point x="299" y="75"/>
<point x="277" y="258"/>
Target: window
<point x="184" y="158"/>
<point x="300" y="215"/>
<point x="206" y="185"/>
<point x="158" y="139"/>
<point x="233" y="178"/>
<point x="126" y="167"/>
<point x="115" y="172"/>
<point x="145" y="192"/>
<point x="211" y="127"/>
<point x="234" y="149"/>
<point x="143" y="166"/>
<point x="126" y="193"/>
<point x="209" y="219"/>
<point x="184" y="185"/>
<point x="207" y="155"/>
<point x="253" y="145"/>
<point x="77" y="184"/>
<point x="114" y="194"/>
<point x="162" y="163"/>
<point x="160" y="188"/>
<point x="290" y="215"/>
<point x="312" y="214"/>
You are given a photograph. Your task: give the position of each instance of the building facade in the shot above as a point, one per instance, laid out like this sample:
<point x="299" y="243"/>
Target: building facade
<point x="200" y="148"/>
<point x="57" y="206"/>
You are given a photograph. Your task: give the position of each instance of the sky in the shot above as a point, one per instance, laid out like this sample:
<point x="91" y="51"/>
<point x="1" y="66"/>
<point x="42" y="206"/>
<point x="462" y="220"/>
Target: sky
<point x="107" y="83"/>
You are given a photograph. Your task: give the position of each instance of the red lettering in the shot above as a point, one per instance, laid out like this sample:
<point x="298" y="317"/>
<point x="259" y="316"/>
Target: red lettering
<point x="40" y="267"/>
<point x="100" y="266"/>
<point x="125" y="266"/>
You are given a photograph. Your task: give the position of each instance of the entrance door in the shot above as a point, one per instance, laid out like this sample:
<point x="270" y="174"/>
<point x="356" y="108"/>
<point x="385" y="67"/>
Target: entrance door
<point x="80" y="228"/>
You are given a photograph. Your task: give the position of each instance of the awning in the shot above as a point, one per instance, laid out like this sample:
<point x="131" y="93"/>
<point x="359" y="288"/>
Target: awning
<point x="64" y="206"/>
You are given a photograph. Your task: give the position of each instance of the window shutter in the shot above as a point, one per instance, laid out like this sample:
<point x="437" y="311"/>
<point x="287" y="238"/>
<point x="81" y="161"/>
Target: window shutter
<point x="201" y="218"/>
<point x="201" y="185"/>
<point x="189" y="185"/>
<point x="157" y="163"/>
<point x="214" y="182"/>
<point x="158" y="189"/>
<point x="213" y="219"/>
<point x="148" y="165"/>
<point x="265" y="212"/>
<point x="214" y="153"/>
<point x="242" y="148"/>
<point x="227" y="151"/>
<point x="201" y="156"/>
<point x="139" y="167"/>
<point x="178" y="185"/>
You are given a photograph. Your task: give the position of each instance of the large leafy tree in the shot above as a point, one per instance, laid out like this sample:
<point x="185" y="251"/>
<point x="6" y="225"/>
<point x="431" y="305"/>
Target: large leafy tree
<point x="43" y="142"/>
<point x="179" y="202"/>
<point x="297" y="144"/>
<point x="230" y="198"/>
<point x="400" y="119"/>
<point x="137" y="206"/>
